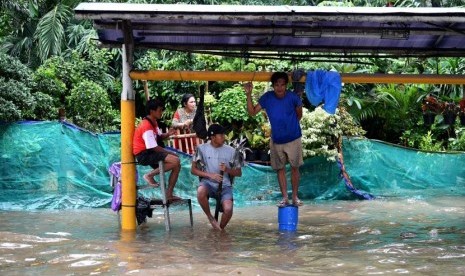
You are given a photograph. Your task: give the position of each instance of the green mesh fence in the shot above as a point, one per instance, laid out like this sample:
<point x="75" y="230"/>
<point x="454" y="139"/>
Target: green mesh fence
<point x="52" y="165"/>
<point x="388" y="170"/>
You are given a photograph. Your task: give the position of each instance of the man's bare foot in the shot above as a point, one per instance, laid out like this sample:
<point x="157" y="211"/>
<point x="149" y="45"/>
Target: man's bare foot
<point x="150" y="181"/>
<point x="214" y="223"/>
<point x="173" y="198"/>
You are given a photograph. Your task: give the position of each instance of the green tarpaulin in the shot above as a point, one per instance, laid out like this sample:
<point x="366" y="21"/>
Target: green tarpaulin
<point x="55" y="165"/>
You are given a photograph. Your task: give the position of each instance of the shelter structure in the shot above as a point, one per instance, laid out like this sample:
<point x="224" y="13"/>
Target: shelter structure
<point x="283" y="32"/>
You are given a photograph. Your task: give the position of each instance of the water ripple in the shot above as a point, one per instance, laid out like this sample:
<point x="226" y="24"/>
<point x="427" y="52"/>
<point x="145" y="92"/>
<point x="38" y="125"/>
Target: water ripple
<point x="10" y="245"/>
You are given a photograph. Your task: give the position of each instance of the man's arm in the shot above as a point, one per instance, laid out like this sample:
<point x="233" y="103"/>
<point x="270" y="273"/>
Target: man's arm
<point x="171" y="131"/>
<point x="233" y="172"/>
<point x="198" y="172"/>
<point x="251" y="109"/>
<point x="298" y="110"/>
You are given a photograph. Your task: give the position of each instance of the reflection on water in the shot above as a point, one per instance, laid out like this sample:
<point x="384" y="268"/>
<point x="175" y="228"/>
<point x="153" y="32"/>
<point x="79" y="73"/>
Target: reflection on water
<point x="395" y="236"/>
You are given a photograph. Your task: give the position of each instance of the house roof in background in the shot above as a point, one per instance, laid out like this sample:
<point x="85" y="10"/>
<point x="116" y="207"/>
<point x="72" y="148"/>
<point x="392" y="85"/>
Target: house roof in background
<point x="283" y="31"/>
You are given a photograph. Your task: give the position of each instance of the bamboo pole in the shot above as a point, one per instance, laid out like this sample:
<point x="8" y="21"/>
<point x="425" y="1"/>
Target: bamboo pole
<point x="265" y="76"/>
<point x="146" y="90"/>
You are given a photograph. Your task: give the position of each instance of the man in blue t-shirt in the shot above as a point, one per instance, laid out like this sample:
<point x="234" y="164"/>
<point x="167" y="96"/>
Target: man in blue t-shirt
<point x="284" y="110"/>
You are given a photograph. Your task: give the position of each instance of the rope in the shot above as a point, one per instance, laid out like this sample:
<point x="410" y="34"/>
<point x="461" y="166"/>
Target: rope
<point x="133" y="162"/>
<point x="343" y="174"/>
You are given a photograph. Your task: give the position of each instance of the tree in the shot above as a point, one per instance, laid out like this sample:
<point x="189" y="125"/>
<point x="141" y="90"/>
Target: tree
<point x="18" y="100"/>
<point x="37" y="28"/>
<point x="90" y="107"/>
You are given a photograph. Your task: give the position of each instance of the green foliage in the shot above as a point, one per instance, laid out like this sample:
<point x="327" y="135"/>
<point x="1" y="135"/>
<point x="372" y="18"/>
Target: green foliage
<point x="320" y="132"/>
<point x="8" y="110"/>
<point x="335" y="4"/>
<point x="58" y="76"/>
<point x="402" y="100"/>
<point x="411" y="138"/>
<point x="423" y="138"/>
<point x="90" y="107"/>
<point x="45" y="107"/>
<point x="347" y="124"/>
<point x="232" y="107"/>
<point x="61" y="75"/>
<point x="458" y="143"/>
<point x="257" y="140"/>
<point x="50" y="31"/>
<point x="95" y="66"/>
<point x="37" y="28"/>
<point x="48" y="82"/>
<point x="12" y="68"/>
<point x="16" y="101"/>
<point x="429" y="143"/>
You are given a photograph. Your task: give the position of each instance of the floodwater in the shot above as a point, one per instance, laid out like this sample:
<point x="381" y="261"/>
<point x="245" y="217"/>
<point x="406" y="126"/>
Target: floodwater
<point x="415" y="236"/>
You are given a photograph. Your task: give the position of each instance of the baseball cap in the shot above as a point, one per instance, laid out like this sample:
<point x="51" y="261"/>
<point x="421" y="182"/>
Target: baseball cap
<point x="215" y="129"/>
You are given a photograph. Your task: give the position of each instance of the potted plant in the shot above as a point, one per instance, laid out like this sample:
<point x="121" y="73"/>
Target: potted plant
<point x="264" y="150"/>
<point x="257" y="143"/>
<point x="264" y="147"/>
<point x="462" y="111"/>
<point x="450" y="113"/>
<point x="430" y="108"/>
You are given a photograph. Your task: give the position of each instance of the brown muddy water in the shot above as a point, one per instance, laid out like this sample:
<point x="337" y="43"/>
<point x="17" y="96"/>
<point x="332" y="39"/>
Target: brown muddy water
<point x="413" y="236"/>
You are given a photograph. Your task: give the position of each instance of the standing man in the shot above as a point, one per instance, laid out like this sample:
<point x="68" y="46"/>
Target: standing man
<point x="148" y="152"/>
<point x="284" y="110"/>
<point x="212" y="163"/>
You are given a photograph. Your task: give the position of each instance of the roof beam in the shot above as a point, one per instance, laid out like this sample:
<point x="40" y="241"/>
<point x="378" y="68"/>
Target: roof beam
<point x="127" y="11"/>
<point x="160" y="75"/>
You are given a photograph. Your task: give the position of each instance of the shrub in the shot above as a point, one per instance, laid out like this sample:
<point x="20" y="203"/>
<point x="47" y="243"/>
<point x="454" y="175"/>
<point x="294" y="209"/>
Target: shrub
<point x="320" y="132"/>
<point x="90" y="107"/>
<point x="231" y="107"/>
<point x="16" y="101"/>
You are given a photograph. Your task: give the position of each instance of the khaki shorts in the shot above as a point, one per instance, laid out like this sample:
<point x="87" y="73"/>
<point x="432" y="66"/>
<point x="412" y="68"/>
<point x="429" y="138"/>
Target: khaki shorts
<point x="290" y="152"/>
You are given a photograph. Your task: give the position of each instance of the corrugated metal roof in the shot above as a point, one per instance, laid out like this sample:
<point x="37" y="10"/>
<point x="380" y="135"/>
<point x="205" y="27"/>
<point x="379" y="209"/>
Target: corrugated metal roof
<point x="268" y="30"/>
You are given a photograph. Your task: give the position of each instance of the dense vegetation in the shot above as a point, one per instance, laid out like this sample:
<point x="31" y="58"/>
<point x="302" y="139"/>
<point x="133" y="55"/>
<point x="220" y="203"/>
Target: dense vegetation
<point x="50" y="62"/>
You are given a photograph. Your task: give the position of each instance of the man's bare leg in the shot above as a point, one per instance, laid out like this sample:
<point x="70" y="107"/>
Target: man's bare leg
<point x="202" y="198"/>
<point x="227" y="213"/>
<point x="173" y="164"/>
<point x="283" y="183"/>
<point x="295" y="179"/>
<point x="148" y="177"/>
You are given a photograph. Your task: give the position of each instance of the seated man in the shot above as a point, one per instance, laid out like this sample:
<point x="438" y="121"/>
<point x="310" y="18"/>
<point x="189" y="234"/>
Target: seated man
<point x="211" y="163"/>
<point x="148" y="152"/>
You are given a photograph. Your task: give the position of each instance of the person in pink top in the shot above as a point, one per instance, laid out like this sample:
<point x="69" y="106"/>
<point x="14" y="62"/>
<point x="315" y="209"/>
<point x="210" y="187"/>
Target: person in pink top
<point x="183" y="120"/>
<point x="148" y="152"/>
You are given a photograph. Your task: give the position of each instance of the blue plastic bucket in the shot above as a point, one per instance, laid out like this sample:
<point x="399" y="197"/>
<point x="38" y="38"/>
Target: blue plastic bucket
<point x="288" y="218"/>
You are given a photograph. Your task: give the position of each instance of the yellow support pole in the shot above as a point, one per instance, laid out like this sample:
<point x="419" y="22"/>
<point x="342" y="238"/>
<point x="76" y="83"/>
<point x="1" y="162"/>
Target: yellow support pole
<point x="128" y="167"/>
<point x="265" y="76"/>
<point x="128" y="111"/>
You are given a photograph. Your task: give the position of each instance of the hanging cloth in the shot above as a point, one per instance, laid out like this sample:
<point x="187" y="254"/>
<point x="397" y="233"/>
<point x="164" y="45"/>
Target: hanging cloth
<point x="199" y="122"/>
<point x="323" y="86"/>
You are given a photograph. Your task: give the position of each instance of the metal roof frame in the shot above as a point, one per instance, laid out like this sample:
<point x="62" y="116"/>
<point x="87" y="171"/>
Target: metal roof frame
<point x="235" y="30"/>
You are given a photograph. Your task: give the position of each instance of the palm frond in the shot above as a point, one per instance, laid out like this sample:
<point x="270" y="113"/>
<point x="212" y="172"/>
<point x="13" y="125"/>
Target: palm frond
<point x="80" y="37"/>
<point x="50" y="31"/>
